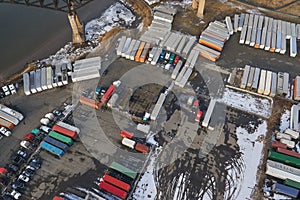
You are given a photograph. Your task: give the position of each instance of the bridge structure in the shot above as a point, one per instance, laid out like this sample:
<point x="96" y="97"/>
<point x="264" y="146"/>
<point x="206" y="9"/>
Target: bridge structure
<point x="67" y="6"/>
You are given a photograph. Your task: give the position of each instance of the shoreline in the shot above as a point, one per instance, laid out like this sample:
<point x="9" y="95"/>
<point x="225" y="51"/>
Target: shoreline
<point x="49" y="47"/>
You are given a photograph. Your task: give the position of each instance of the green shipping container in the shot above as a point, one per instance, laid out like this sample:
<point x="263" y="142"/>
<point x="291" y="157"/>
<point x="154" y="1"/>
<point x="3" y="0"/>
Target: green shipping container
<point x="61" y="138"/>
<point x="292" y="183"/>
<point x="289" y="160"/>
<point x="123" y="170"/>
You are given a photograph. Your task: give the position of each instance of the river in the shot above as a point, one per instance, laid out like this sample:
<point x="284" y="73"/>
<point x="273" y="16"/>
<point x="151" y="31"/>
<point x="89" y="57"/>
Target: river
<point x="30" y="33"/>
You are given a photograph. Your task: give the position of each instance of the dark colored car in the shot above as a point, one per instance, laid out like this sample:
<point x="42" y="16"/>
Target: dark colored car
<point x="35" y="163"/>
<point x="13" y="168"/>
<point x="18" y="185"/>
<point x="18" y="160"/>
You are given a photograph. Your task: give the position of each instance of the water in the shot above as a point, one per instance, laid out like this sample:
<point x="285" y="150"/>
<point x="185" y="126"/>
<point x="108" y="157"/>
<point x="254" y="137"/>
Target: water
<point x="30" y="33"/>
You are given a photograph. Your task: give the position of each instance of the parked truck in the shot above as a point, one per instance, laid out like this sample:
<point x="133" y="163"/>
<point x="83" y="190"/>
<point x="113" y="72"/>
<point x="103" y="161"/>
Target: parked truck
<point x="9" y="118"/>
<point x="12" y="112"/>
<point x="108" y="94"/>
<point x="89" y="102"/>
<point x="57" y="143"/>
<point x="286" y="190"/>
<point x="68" y="126"/>
<point x="65" y="131"/>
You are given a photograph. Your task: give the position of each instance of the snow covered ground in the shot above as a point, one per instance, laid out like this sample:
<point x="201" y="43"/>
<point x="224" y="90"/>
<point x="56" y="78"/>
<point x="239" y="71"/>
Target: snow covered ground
<point x="247" y="102"/>
<point x="183" y="4"/>
<point x="251" y="155"/>
<point x="146" y="187"/>
<point x="115" y="15"/>
<point x="285" y="120"/>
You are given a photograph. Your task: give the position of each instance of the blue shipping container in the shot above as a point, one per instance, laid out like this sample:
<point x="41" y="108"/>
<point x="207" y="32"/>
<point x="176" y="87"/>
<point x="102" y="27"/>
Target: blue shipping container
<point x="57" y="143"/>
<point x="289" y="191"/>
<point x="52" y="149"/>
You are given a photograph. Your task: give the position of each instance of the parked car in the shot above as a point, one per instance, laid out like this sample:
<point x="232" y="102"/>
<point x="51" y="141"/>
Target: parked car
<point x="167" y="56"/>
<point x="30" y="169"/>
<point x="5" y="131"/>
<point x="15" y="194"/>
<point x="24" y="178"/>
<point x="35" y="163"/>
<point x="199" y="115"/>
<point x="176" y="60"/>
<point x="22" y="153"/>
<point x="172" y="56"/>
<point x="18" y="185"/>
<point x="18" y="160"/>
<point x="13" y="167"/>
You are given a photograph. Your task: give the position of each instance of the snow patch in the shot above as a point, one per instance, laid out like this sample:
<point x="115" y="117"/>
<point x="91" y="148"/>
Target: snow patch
<point x="183" y="4"/>
<point x="245" y="184"/>
<point x="285" y="120"/>
<point x="247" y="102"/>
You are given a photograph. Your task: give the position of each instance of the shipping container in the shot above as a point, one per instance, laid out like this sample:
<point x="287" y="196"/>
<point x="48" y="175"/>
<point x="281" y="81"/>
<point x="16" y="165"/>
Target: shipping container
<point x="280" y="83"/>
<point x="68" y="126"/>
<point x="52" y="149"/>
<point x="156" y="56"/>
<point x="145" y="52"/>
<point x="282" y="171"/>
<point x="288" y="30"/>
<point x="268" y="84"/>
<point x="130" y="49"/>
<point x="264" y="33"/>
<point x="26" y="84"/>
<point x="283" y="44"/>
<point x="145" y="128"/>
<point x="139" y="51"/>
<point x="126" y="46"/>
<point x="12" y="112"/>
<point x="128" y="143"/>
<point x="177" y="69"/>
<point x="297" y="88"/>
<point x="229" y="25"/>
<point x="185" y="77"/>
<point x="152" y="52"/>
<point x="116" y="182"/>
<point x="121" y="45"/>
<point x="262" y="82"/>
<point x="241" y="22"/>
<point x="124" y="170"/>
<point x="294" y="184"/>
<point x="56" y="143"/>
<point x="188" y="47"/>
<point x="251" y="77"/>
<point x="293" y="46"/>
<point x="209" y="112"/>
<point x="108" y="94"/>
<point x="112" y="102"/>
<point x="255" y="79"/>
<point x="289" y="160"/>
<point x="6" y="124"/>
<point x="89" y="102"/>
<point x="236" y="22"/>
<point x="278" y="42"/>
<point x="113" y="190"/>
<point x="246" y="20"/>
<point x="273" y="42"/>
<point x="134" y="50"/>
<point x="84" y="75"/>
<point x="32" y="82"/>
<point x="282" y="135"/>
<point x="49" y="76"/>
<point x="141" y="148"/>
<point x="289" y="143"/>
<point x="285" y="87"/>
<point x="276" y="144"/>
<point x="294" y="120"/>
<point x="61" y="138"/>
<point x="293" y="30"/>
<point x="292" y="133"/>
<point x="286" y="190"/>
<point x="65" y="132"/>
<point x="288" y="152"/>
<point x="181" y="44"/>
<point x="158" y="106"/>
<point x="8" y="117"/>
<point x="126" y="134"/>
<point x="44" y="78"/>
<point x="274" y="85"/>
<point x="38" y="83"/>
<point x="245" y="77"/>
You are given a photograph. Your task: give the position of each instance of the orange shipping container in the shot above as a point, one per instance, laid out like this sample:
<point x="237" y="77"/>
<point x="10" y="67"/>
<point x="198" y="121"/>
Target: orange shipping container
<point x="6" y="124"/>
<point x="142" y="148"/>
<point x="213" y="46"/>
<point x="89" y="102"/>
<point x="139" y="52"/>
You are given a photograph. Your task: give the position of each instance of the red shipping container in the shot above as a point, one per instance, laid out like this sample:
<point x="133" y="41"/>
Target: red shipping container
<point x="142" y="148"/>
<point x="65" y="131"/>
<point x="288" y="152"/>
<point x="113" y="190"/>
<point x="126" y="134"/>
<point x="108" y="94"/>
<point x="276" y="144"/>
<point x="89" y="102"/>
<point x="116" y="182"/>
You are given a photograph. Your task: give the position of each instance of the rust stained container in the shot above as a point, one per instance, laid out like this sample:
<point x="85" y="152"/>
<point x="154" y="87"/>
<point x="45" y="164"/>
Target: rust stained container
<point x="90" y="102"/>
<point x="126" y="134"/>
<point x="6" y="124"/>
<point x="141" y="148"/>
<point x="288" y="152"/>
<point x="65" y="131"/>
<point x="276" y="144"/>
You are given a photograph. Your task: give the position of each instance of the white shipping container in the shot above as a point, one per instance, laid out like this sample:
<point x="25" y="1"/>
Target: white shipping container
<point x="256" y="79"/>
<point x="188" y="47"/>
<point x="248" y="37"/>
<point x="246" y="21"/>
<point x="68" y="126"/>
<point x="49" y="77"/>
<point x="253" y="37"/>
<point x="293" y="30"/>
<point x="280" y="83"/>
<point x="274" y="85"/>
<point x="11" y="112"/>
<point x="286" y="78"/>
<point x="288" y="30"/>
<point x="38" y="84"/>
<point x="283" y="44"/>
<point x="278" y="42"/>
<point x="289" y="143"/>
<point x="143" y="128"/>
<point x="243" y="35"/>
<point x="282" y="173"/>
<point x="241" y="22"/>
<point x="267" y="90"/>
<point x="158" y="106"/>
<point x="121" y="45"/>
<point x="283" y="136"/>
<point x="156" y="56"/>
<point x="176" y="70"/>
<point x="229" y="25"/>
<point x="209" y="111"/>
<point x="245" y="77"/>
<point x="128" y="142"/>
<point x="262" y="81"/>
<point x="44" y="78"/>
<point x="32" y="82"/>
<point x="125" y="47"/>
<point x="292" y="133"/>
<point x="181" y="44"/>
<point x="26" y="84"/>
<point x="293" y="46"/>
<point x="8" y="117"/>
<point x="236" y="22"/>
<point x="251" y="77"/>
<point x="130" y="48"/>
